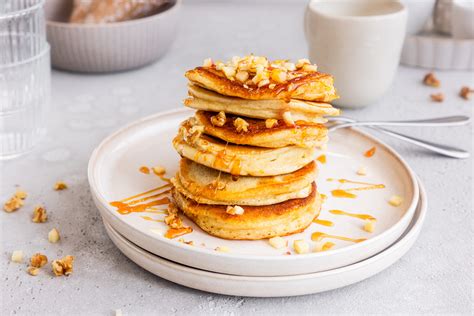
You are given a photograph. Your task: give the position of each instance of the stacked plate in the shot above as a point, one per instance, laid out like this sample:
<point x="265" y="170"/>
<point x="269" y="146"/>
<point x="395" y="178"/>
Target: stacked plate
<point x="254" y="268"/>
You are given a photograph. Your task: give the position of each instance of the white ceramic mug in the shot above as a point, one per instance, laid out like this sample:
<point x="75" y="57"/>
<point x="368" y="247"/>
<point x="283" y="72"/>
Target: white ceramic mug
<point x="358" y="42"/>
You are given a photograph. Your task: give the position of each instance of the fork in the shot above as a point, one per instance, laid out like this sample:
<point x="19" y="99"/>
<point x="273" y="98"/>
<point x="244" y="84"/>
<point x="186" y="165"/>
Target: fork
<point x="444" y="150"/>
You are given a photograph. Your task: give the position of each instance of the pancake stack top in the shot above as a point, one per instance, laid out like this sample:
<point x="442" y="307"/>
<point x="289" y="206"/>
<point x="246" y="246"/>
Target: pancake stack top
<point x="248" y="167"/>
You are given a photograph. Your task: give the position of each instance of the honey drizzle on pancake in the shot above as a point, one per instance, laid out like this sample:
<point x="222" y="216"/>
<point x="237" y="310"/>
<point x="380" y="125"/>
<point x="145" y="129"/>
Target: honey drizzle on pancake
<point x="318" y="236"/>
<point x="323" y="222"/>
<point x="345" y="193"/>
<point x="359" y="216"/>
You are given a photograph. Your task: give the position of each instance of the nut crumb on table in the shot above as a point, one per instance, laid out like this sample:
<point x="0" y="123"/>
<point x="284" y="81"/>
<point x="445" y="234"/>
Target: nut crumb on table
<point x="13" y="204"/>
<point x="465" y="92"/>
<point x="53" y="236"/>
<point x="17" y="256"/>
<point x="63" y="266"/>
<point x="431" y="80"/>
<point x="437" y="97"/>
<point x="39" y="214"/>
<point x="60" y="185"/>
<point x="38" y="260"/>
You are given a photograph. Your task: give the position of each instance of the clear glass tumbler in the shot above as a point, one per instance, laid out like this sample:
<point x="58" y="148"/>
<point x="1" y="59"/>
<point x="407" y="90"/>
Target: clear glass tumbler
<point x="24" y="76"/>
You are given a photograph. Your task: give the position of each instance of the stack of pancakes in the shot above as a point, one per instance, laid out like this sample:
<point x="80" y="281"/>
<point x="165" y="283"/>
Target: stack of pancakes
<point x="247" y="169"/>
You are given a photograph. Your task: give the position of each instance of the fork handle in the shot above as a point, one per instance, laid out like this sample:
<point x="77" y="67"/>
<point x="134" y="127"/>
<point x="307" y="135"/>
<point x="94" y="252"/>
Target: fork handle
<point x="438" y="148"/>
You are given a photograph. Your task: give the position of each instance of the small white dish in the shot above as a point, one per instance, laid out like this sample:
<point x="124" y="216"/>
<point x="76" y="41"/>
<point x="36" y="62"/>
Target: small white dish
<point x="273" y="286"/>
<point x="111" y="46"/>
<point x="113" y="175"/>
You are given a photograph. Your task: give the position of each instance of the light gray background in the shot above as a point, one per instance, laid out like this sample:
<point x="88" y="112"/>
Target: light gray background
<point x="434" y="277"/>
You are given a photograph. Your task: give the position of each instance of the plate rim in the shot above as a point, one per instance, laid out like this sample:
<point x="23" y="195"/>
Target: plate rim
<point x="95" y="154"/>
<point x="412" y="233"/>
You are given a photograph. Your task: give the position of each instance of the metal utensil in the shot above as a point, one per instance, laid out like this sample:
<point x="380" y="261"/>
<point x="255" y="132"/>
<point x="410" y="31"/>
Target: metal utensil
<point x="444" y="150"/>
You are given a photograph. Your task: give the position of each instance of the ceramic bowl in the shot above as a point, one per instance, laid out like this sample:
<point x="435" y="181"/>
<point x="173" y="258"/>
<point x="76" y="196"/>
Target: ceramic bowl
<point x="108" y="47"/>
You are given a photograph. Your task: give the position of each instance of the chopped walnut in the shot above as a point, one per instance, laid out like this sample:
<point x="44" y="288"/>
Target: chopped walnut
<point x="362" y="171"/>
<point x="219" y="119"/>
<point x="13" y="204"/>
<point x="21" y="194"/>
<point x="234" y="210"/>
<point x="38" y="260"/>
<point x="53" y="236"/>
<point x="207" y="63"/>
<point x="278" y="242"/>
<point x="63" y="266"/>
<point x="431" y="80"/>
<point x="217" y="185"/>
<point x="465" y="93"/>
<point x="242" y="76"/>
<point x="241" y="125"/>
<point x="395" y="200"/>
<point x="302" y="62"/>
<point x="288" y="119"/>
<point x="269" y="123"/>
<point x="39" y="215"/>
<point x="17" y="256"/>
<point x="158" y="170"/>
<point x="33" y="271"/>
<point x="301" y="246"/>
<point x="437" y="97"/>
<point x="60" y="185"/>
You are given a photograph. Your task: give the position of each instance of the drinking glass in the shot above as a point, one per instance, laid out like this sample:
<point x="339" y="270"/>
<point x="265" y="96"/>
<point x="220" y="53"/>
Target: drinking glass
<point x="24" y="76"/>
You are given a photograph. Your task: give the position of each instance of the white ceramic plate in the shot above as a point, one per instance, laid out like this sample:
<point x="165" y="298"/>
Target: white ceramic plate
<point x="273" y="286"/>
<point x="113" y="175"/>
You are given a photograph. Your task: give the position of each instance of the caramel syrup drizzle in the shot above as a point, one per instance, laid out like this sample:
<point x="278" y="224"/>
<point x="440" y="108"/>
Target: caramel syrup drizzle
<point x="322" y="159"/>
<point x="323" y="222"/>
<point x="138" y="203"/>
<point x="345" y="193"/>
<point x="359" y="216"/>
<point x="318" y="236"/>
<point x="327" y="245"/>
<point x="148" y="218"/>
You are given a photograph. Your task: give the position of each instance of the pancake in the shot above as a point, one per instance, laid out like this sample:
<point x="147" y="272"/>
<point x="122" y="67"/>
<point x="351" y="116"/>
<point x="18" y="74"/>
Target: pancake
<point x="238" y="159"/>
<point x="209" y="186"/>
<point x="257" y="222"/>
<point x="303" y="134"/>
<point x="203" y="99"/>
<point x="306" y="85"/>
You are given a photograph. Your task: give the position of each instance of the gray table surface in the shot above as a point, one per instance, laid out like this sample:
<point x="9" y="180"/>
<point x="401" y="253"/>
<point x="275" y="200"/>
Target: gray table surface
<point x="434" y="277"/>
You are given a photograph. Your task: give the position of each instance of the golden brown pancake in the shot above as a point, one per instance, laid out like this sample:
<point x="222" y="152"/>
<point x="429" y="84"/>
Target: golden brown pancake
<point x="203" y="99"/>
<point x="238" y="159"/>
<point x="209" y="186"/>
<point x="303" y="134"/>
<point x="311" y="86"/>
<point x="257" y="222"/>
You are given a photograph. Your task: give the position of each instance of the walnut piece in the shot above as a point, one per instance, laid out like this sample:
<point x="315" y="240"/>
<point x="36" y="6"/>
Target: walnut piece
<point x="437" y="97"/>
<point x="269" y="123"/>
<point x="431" y="80"/>
<point x="241" y="125"/>
<point x="33" y="271"/>
<point x="219" y="119"/>
<point x="13" y="204"/>
<point x="301" y="246"/>
<point x="362" y="171"/>
<point x="21" y="194"/>
<point x="60" y="185"/>
<point x="465" y="92"/>
<point x="53" y="236"/>
<point x="288" y="119"/>
<point x="39" y="215"/>
<point x="234" y="210"/>
<point x="395" y="200"/>
<point x="63" y="266"/>
<point x="38" y="260"/>
<point x="17" y="256"/>
<point x="278" y="242"/>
